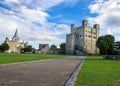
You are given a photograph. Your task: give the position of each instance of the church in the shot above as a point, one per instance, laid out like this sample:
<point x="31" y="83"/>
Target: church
<point x="82" y="40"/>
<point x="14" y="45"/>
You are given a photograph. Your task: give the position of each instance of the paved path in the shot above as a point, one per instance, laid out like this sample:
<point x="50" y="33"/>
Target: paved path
<point x="53" y="72"/>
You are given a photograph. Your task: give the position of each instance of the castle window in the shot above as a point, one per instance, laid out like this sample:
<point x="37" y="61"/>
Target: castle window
<point x="86" y="35"/>
<point x="94" y="37"/>
<point x="89" y="36"/>
<point x="80" y="35"/>
<point x="94" y="33"/>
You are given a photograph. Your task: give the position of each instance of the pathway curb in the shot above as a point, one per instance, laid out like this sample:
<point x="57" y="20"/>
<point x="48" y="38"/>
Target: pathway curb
<point x="72" y="79"/>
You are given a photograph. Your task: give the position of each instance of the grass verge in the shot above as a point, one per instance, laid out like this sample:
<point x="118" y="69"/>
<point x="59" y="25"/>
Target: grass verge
<point x="99" y="72"/>
<point x="13" y="58"/>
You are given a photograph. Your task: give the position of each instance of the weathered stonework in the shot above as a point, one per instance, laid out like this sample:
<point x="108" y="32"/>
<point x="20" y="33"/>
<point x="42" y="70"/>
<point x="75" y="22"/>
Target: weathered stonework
<point x="82" y="39"/>
<point x="14" y="45"/>
<point x="43" y="49"/>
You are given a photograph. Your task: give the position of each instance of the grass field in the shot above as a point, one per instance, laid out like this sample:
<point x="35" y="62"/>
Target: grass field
<point x="98" y="72"/>
<point x="13" y="58"/>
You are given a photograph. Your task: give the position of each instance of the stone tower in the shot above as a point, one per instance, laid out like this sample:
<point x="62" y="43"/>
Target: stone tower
<point x="82" y="40"/>
<point x="14" y="45"/>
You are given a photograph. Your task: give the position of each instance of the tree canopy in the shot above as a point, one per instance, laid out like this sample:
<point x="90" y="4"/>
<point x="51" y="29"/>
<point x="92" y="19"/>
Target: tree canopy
<point x="106" y="44"/>
<point x="53" y="46"/>
<point x="63" y="47"/>
<point x="4" y="47"/>
<point x="28" y="48"/>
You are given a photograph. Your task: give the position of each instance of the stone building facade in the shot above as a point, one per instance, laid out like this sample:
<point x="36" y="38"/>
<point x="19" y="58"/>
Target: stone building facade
<point x="43" y="49"/>
<point x="82" y="40"/>
<point x="14" y="45"/>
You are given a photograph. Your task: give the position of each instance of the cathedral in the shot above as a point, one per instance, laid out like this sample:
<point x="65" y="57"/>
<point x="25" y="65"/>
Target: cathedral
<point x="14" y="45"/>
<point x="82" y="40"/>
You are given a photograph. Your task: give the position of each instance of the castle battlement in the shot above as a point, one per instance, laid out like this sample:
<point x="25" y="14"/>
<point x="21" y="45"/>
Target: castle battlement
<point x="82" y="39"/>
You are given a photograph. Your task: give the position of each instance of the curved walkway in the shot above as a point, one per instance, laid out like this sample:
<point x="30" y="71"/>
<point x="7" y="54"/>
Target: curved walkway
<point x="54" y="72"/>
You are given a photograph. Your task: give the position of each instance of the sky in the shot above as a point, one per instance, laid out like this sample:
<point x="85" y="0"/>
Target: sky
<point x="48" y="21"/>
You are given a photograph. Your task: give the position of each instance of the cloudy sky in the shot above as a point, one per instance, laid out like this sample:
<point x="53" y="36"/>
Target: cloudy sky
<point x="48" y="21"/>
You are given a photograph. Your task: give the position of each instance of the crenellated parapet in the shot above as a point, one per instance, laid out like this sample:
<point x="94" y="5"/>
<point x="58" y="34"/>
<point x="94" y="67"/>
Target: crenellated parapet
<point x="82" y="38"/>
<point x="96" y="26"/>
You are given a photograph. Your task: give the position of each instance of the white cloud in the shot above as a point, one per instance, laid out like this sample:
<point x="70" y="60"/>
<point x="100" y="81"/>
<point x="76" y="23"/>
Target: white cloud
<point x="14" y="1"/>
<point x="38" y="4"/>
<point x="29" y="32"/>
<point x="34" y="15"/>
<point x="41" y="4"/>
<point x="30" y="18"/>
<point x="107" y="16"/>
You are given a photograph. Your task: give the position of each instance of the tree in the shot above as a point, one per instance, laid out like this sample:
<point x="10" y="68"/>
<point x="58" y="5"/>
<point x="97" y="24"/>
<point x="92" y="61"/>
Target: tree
<point x="63" y="47"/>
<point x="28" y="48"/>
<point x="53" y="46"/>
<point x="101" y="44"/>
<point x="4" y="47"/>
<point x="0" y="48"/>
<point x="110" y="43"/>
<point x="106" y="44"/>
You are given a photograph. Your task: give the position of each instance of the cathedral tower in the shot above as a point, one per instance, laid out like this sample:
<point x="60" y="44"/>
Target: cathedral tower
<point x="14" y="45"/>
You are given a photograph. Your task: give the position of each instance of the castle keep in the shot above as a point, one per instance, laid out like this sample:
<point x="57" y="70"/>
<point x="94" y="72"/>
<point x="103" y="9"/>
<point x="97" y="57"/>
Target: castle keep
<point x="82" y="40"/>
<point x="14" y="45"/>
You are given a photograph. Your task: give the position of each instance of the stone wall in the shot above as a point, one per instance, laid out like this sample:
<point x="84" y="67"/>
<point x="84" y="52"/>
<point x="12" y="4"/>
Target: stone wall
<point x="70" y="44"/>
<point x="83" y="38"/>
<point x="14" y="46"/>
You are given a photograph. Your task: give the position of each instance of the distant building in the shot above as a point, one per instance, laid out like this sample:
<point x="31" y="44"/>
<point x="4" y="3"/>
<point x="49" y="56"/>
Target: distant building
<point x="117" y="47"/>
<point x="82" y="40"/>
<point x="55" y="51"/>
<point x="43" y="49"/>
<point x="14" y="45"/>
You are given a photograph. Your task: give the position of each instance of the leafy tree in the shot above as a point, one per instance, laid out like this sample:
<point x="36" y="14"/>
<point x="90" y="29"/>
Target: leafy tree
<point x="106" y="44"/>
<point x="4" y="47"/>
<point x="28" y="48"/>
<point x="63" y="47"/>
<point x="110" y="43"/>
<point x="0" y="48"/>
<point x="53" y="46"/>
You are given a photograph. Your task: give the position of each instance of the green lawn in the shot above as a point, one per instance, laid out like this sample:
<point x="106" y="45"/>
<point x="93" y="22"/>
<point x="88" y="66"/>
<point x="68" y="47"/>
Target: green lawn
<point x="98" y="72"/>
<point x="12" y="58"/>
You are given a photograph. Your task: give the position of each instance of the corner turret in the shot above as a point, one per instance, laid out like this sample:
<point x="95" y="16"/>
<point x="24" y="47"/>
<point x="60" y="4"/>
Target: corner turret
<point x="96" y="26"/>
<point x="84" y="23"/>
<point x="73" y="28"/>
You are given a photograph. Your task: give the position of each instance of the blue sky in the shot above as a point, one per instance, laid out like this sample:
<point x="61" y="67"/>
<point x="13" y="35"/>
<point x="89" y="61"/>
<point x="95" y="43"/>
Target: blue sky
<point x="48" y="21"/>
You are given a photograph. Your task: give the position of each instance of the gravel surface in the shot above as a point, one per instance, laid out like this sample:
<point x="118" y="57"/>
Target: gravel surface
<point x="53" y="72"/>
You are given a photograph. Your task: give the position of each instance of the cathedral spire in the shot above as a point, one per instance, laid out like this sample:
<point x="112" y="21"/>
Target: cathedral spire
<point x="15" y="35"/>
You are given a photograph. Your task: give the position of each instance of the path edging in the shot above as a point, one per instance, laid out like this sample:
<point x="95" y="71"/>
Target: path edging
<point x="72" y="79"/>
